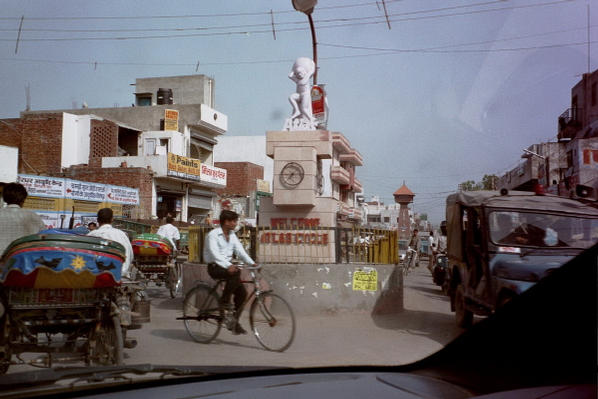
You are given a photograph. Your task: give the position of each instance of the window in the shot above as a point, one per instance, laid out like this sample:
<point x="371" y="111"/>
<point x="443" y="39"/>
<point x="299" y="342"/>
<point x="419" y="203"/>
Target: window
<point x="150" y="146"/>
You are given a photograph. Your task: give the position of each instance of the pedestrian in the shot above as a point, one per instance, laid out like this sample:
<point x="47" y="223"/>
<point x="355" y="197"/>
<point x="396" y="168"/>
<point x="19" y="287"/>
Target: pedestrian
<point x="105" y="219"/>
<point x="432" y="240"/>
<point x="219" y="247"/>
<point x="170" y="232"/>
<point x="415" y="245"/>
<point x="92" y="226"/>
<point x="16" y="222"/>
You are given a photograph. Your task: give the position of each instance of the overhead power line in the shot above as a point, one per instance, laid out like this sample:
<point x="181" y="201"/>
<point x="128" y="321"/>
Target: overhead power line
<point x="379" y="20"/>
<point x="189" y="16"/>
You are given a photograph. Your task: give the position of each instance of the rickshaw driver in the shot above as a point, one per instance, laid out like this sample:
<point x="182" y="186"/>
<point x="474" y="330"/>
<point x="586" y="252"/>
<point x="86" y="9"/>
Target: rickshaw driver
<point x="219" y="246"/>
<point x="105" y="218"/>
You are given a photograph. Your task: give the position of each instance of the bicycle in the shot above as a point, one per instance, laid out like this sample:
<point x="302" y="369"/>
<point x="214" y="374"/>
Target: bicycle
<point x="270" y="317"/>
<point x="410" y="261"/>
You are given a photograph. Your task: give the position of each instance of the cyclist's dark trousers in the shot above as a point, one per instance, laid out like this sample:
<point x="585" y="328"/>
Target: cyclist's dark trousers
<point x="233" y="285"/>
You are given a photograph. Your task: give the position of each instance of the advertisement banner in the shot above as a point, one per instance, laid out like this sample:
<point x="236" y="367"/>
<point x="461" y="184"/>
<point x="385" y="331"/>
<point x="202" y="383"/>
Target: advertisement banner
<point x="213" y="175"/>
<point x="183" y="167"/>
<point x="122" y="195"/>
<point x="41" y="186"/>
<point x="171" y="119"/>
<point x="85" y="191"/>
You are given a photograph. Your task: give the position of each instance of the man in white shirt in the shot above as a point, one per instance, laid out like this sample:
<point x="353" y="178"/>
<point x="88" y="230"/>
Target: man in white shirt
<point x="219" y="247"/>
<point x="105" y="218"/>
<point x="14" y="221"/>
<point x="170" y="232"/>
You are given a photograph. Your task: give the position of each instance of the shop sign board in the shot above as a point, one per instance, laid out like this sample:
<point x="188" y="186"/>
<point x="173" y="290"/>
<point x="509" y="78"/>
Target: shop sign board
<point x="171" y="119"/>
<point x="123" y="195"/>
<point x="263" y="186"/>
<point x="86" y="191"/>
<point x="213" y="175"/>
<point x="42" y="186"/>
<point x="183" y="167"/>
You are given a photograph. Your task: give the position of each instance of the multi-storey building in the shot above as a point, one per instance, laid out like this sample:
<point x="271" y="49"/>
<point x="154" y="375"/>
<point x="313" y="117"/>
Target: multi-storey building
<point x="162" y="145"/>
<point x="569" y="166"/>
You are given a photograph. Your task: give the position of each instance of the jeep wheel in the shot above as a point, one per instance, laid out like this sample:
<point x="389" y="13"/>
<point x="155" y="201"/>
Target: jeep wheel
<point x="463" y="317"/>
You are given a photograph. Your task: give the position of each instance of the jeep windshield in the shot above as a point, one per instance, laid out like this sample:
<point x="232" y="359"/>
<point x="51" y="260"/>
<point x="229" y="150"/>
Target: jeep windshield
<point x="542" y="230"/>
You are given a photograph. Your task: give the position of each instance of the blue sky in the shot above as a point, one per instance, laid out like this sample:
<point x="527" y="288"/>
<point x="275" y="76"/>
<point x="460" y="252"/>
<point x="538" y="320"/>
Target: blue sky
<point x="454" y="90"/>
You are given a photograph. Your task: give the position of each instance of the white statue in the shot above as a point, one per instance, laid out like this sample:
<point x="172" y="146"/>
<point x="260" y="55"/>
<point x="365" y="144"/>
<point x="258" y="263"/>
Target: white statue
<point x="303" y="70"/>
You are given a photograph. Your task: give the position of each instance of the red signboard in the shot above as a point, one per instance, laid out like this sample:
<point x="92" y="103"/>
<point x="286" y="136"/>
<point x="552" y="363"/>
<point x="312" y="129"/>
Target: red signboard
<point x="317" y="100"/>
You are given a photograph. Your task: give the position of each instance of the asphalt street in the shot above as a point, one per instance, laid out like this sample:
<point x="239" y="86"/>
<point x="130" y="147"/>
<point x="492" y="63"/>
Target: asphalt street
<point x="346" y="338"/>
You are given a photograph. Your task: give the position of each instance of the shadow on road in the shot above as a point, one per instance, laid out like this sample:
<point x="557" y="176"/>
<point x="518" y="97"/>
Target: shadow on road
<point x="436" y="326"/>
<point x="182" y="335"/>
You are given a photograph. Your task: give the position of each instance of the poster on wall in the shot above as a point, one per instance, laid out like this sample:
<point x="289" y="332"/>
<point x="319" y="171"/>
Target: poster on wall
<point x="51" y="219"/>
<point x="85" y="191"/>
<point x="42" y="186"/>
<point x="122" y="195"/>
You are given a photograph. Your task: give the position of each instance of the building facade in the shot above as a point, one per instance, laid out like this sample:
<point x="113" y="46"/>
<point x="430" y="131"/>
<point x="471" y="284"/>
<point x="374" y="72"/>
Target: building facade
<point x="569" y="166"/>
<point x="161" y="147"/>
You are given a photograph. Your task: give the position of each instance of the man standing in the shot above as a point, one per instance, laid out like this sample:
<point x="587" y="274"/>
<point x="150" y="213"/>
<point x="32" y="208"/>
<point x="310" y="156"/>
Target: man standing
<point x="219" y="246"/>
<point x="105" y="218"/>
<point x="170" y="232"/>
<point x="16" y="222"/>
<point x="415" y="245"/>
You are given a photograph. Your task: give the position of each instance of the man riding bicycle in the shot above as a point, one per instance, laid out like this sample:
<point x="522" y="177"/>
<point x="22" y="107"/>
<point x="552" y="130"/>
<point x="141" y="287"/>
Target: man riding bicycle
<point x="219" y="247"/>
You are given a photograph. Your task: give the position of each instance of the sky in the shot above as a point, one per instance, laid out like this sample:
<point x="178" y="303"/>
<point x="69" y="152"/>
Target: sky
<point x="440" y="92"/>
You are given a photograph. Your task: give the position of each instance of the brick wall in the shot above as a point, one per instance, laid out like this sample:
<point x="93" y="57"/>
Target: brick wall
<point x="103" y="141"/>
<point x="10" y="132"/>
<point x="39" y="139"/>
<point x="129" y="177"/>
<point x="240" y="177"/>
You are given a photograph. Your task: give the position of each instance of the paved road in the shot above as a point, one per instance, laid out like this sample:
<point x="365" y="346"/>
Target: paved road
<point x="424" y="327"/>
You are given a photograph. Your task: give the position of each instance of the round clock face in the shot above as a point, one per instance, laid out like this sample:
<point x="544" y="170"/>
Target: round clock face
<point x="291" y="175"/>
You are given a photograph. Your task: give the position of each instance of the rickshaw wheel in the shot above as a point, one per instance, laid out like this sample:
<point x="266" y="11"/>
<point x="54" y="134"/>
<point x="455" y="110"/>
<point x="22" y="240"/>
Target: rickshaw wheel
<point x="4" y="356"/>
<point x="174" y="280"/>
<point x="463" y="317"/>
<point x="106" y="343"/>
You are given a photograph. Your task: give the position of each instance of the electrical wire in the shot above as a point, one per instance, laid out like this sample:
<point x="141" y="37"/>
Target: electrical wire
<point x="268" y="31"/>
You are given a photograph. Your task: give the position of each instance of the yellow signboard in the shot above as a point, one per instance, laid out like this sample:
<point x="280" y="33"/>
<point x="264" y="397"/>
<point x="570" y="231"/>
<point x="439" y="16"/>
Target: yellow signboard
<point x="171" y="119"/>
<point x="183" y="167"/>
<point x="365" y="280"/>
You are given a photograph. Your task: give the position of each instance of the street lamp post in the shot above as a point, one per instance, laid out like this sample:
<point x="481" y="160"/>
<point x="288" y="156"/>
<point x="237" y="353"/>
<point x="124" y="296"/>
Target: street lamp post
<point x="307" y="7"/>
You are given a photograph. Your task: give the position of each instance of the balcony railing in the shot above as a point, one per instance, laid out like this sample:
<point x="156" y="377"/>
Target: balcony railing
<point x="340" y="143"/>
<point x="569" y="123"/>
<point x="340" y="175"/>
<point x="353" y="157"/>
<point x="357" y="186"/>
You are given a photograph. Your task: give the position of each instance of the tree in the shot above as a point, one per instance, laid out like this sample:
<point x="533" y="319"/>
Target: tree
<point x="468" y="185"/>
<point x="489" y="182"/>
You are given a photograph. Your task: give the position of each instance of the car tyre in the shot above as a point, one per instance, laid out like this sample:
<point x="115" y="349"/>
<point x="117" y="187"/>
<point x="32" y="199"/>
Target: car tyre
<point x="463" y="317"/>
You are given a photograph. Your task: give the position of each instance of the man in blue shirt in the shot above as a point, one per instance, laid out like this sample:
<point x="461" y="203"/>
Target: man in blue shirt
<point x="219" y="247"/>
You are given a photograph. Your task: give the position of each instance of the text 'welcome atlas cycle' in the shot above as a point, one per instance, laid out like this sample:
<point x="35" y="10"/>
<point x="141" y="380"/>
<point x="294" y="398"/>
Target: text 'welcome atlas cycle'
<point x="270" y="317"/>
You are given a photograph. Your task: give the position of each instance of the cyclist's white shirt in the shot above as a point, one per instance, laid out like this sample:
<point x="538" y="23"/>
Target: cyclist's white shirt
<point x="170" y="232"/>
<point x="220" y="251"/>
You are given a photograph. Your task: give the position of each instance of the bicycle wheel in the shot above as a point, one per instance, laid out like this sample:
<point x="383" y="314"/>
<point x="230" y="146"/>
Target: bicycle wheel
<point x="201" y="305"/>
<point x="175" y="280"/>
<point x="272" y="321"/>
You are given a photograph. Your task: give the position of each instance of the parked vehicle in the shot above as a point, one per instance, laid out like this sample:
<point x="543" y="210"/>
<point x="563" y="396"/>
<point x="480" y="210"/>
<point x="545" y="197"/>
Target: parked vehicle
<point x="60" y="295"/>
<point x="500" y="244"/>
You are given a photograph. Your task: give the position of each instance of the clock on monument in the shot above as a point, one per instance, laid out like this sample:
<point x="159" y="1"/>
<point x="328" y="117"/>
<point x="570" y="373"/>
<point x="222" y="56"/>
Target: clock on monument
<point x="291" y="175"/>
